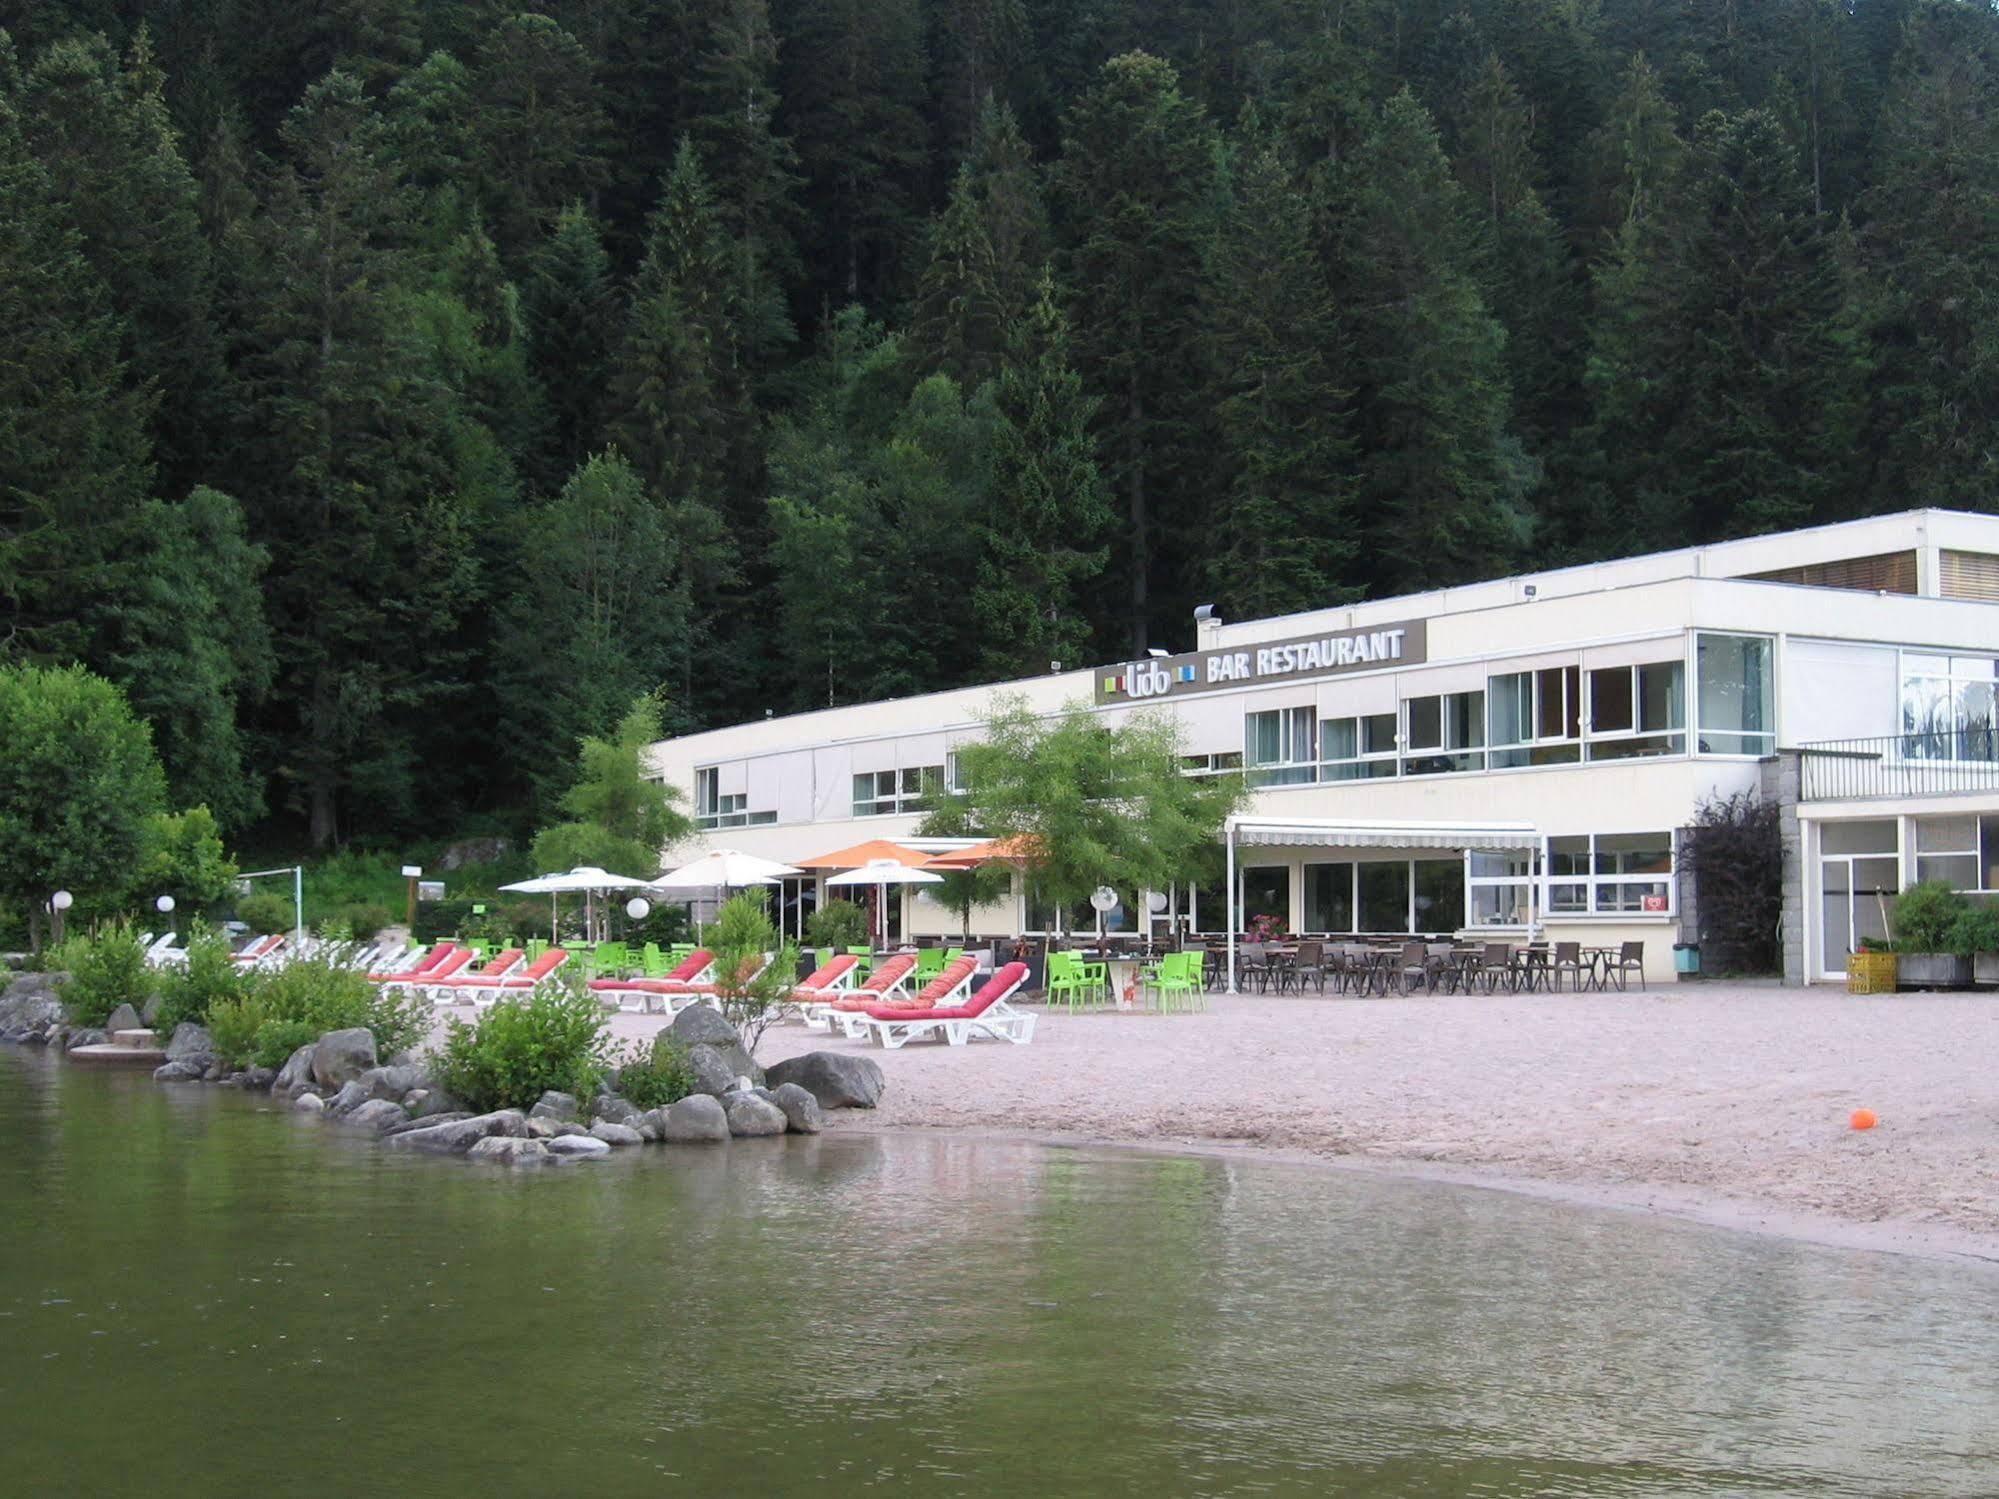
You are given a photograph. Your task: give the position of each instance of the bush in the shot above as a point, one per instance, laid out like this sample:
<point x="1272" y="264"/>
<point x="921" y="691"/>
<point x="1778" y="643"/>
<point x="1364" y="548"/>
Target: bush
<point x="837" y="924"/>
<point x="740" y="938"/>
<point x="1976" y="931"/>
<point x="655" y="1077"/>
<point x="190" y="990"/>
<point x="265" y="914"/>
<point x="551" y="1039"/>
<point x="106" y="969"/>
<point x="284" y="1008"/>
<point x="1925" y="916"/>
<point x="365" y="920"/>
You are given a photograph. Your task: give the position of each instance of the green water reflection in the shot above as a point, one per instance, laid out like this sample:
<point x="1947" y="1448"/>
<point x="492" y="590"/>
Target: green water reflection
<point x="197" y="1297"/>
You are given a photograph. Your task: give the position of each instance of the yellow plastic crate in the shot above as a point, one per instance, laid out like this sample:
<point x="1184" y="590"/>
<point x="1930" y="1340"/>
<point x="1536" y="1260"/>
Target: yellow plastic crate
<point x="1870" y="973"/>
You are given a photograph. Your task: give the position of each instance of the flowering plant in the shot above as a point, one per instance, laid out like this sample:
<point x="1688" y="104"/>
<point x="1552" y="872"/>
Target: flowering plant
<point x="1266" y="928"/>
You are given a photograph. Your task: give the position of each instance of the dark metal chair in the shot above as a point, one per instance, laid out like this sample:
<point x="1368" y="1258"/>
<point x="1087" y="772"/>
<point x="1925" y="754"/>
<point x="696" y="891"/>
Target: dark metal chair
<point x="1630" y="959"/>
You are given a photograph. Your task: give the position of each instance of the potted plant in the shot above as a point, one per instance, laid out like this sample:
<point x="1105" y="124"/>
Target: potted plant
<point x="1977" y="933"/>
<point x="1927" y="934"/>
<point x="1266" y="928"/>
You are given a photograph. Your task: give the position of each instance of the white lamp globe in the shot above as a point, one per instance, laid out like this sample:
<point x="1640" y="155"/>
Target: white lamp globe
<point x="62" y="900"/>
<point x="638" y="908"/>
<point x="164" y="904"/>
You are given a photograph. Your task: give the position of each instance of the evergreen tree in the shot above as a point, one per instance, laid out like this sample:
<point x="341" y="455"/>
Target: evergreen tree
<point x="1931" y="248"/>
<point x="954" y="326"/>
<point x="1441" y="477"/>
<point x="1041" y="542"/>
<point x="732" y="105"/>
<point x="1283" y="536"/>
<point x="1134" y="187"/>
<point x="113" y="160"/>
<point x="1007" y="189"/>
<point x="1636" y="155"/>
<point x="74" y="457"/>
<point x="538" y="126"/>
<point x="572" y="308"/>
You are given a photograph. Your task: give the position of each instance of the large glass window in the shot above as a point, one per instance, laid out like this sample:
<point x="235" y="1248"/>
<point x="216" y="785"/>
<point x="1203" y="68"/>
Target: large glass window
<point x="1266" y="891"/>
<point x="1610" y="874"/>
<point x="714" y="810"/>
<point x="1329" y="898"/>
<point x="1948" y="706"/>
<point x="1357" y="749"/>
<point x="1443" y="734"/>
<point x="1280" y="746"/>
<point x="1638" y="710"/>
<point x="1384" y="895"/>
<point x="1500" y="888"/>
<point x="1439" y="890"/>
<point x="1960" y="849"/>
<point x="882" y="793"/>
<point x="1737" y="695"/>
<point x="1535" y="717"/>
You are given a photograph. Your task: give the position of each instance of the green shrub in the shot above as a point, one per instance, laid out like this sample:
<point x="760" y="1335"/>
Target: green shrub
<point x="524" y="1046"/>
<point x="837" y="924"/>
<point x="365" y="920"/>
<point x="748" y="991"/>
<point x="189" y="990"/>
<point x="106" y="969"/>
<point x="281" y="1009"/>
<point x="1925" y="915"/>
<point x="1976" y="931"/>
<point x="233" y="1025"/>
<point x="264" y="913"/>
<point x="652" y="1078"/>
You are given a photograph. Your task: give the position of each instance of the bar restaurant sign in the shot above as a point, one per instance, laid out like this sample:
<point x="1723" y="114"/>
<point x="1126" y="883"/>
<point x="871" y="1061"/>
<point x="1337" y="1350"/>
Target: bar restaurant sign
<point x="1302" y="659"/>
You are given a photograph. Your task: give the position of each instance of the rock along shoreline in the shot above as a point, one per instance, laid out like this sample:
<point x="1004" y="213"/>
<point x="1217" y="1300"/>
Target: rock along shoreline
<point x="339" y="1078"/>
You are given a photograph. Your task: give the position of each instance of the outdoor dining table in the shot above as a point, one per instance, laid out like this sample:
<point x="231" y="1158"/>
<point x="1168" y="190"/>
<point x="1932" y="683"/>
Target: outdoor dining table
<point x="1600" y="960"/>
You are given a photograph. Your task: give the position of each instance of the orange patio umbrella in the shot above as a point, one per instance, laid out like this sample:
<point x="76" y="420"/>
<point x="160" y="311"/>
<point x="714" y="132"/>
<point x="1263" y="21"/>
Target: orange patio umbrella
<point x="863" y="854"/>
<point x="1019" y="849"/>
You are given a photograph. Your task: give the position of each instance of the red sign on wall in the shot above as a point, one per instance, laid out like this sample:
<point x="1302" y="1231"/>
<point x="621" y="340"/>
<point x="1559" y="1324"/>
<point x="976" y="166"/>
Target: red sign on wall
<point x="1655" y="902"/>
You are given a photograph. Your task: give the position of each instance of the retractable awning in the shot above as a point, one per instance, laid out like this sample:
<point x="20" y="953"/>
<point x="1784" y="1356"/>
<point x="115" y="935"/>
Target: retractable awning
<point x="1309" y="832"/>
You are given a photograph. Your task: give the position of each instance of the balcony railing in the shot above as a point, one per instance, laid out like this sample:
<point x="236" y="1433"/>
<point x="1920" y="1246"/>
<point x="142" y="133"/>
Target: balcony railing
<point x="1927" y="762"/>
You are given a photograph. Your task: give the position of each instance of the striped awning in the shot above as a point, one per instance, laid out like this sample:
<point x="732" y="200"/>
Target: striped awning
<point x="1307" y="832"/>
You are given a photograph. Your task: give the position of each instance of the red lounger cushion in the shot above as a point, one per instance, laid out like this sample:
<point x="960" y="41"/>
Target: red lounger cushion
<point x="495" y="967"/>
<point x="826" y="976"/>
<point x="990" y="993"/>
<point x="954" y="973"/>
<point x="534" y="973"/>
<point x="427" y="962"/>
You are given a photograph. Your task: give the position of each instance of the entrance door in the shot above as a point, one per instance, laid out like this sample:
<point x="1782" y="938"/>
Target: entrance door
<point x="1856" y="893"/>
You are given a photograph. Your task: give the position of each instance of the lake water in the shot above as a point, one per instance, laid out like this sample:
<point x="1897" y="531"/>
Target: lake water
<point x="200" y="1295"/>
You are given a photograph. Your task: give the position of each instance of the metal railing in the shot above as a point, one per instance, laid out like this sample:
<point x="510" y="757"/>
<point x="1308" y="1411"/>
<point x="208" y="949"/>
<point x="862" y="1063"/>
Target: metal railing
<point x="1924" y="762"/>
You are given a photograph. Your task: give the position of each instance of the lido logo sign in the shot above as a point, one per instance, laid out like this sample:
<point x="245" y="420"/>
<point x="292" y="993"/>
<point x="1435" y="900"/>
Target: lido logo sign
<point x="1303" y="658"/>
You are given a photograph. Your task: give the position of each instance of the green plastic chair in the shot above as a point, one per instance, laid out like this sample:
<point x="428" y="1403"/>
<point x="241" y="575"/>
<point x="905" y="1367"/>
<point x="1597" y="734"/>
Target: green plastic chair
<point x="480" y="952"/>
<point x="533" y="948"/>
<point x="1074" y="983"/>
<point x="866" y="962"/>
<point x="653" y="963"/>
<point x="929" y="963"/>
<point x="821" y="956"/>
<point x="952" y="954"/>
<point x="1176" y="980"/>
<point x="610" y="959"/>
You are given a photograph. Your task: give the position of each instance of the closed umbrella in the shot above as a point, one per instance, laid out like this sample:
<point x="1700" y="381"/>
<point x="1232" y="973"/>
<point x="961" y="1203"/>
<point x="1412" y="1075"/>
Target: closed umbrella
<point x="881" y="873"/>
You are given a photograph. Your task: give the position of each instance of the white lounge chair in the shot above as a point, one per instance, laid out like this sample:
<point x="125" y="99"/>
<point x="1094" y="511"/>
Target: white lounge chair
<point x="986" y="1013"/>
<point x="947" y="989"/>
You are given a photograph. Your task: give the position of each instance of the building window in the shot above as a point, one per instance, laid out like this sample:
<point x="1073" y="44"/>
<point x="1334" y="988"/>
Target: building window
<point x="1736" y="695"/>
<point x="1211" y="765"/>
<point x="1357" y="749"/>
<point x="1265" y="891"/>
<point x="1329" y="898"/>
<point x="714" y="810"/>
<point x="1948" y="707"/>
<point x="1961" y="849"/>
<point x="1638" y="710"/>
<point x="884" y="793"/>
<point x="707" y="800"/>
<point x="1443" y="735"/>
<point x="1280" y="746"/>
<point x="1535" y="717"/>
<point x="1499" y="888"/>
<point x="1610" y="874"/>
<point x="1383" y="887"/>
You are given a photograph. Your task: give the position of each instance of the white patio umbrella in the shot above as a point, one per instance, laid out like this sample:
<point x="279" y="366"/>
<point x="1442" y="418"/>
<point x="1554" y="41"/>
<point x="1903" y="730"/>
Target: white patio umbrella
<point x="881" y="873"/>
<point x="587" y="879"/>
<point x="723" y="869"/>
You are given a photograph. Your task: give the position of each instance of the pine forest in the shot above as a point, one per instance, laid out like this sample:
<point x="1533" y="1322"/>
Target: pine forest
<point x="393" y="390"/>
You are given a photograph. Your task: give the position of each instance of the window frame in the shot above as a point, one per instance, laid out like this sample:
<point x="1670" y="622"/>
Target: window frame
<point x="1641" y="741"/>
<point x="1592" y="879"/>
<point x="1291" y="770"/>
<point x="1699" y="729"/>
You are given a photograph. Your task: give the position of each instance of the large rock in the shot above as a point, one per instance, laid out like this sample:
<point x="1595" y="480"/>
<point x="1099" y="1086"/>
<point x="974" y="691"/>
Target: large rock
<point x="554" y="1105"/>
<point x="615" y="1134"/>
<point x="192" y="1045"/>
<point x="614" y="1110"/>
<point x="85" y="1038"/>
<point x="801" y="1109"/>
<point x="177" y="1072"/>
<point x="698" y="1119"/>
<point x="309" y="1103"/>
<point x="578" y="1146"/>
<point x="350" y="1097"/>
<point x="260" y="1078"/>
<point x="423" y="1102"/>
<point x="377" y="1114"/>
<point x="698" y="1025"/>
<point x="751" y="1115"/>
<point x="461" y="1135"/>
<point x="28" y="1005"/>
<point x="342" y="1056"/>
<point x="712" y="1075"/>
<point x="124" y="1018"/>
<point x="296" y="1075"/>
<point x="151" y="1010"/>
<point x="839" y="1080"/>
<point x="506" y="1150"/>
<point x="408" y="1125"/>
<point x="391" y="1082"/>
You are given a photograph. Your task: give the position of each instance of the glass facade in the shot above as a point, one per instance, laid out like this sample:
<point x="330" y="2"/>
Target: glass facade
<point x="1736" y="694"/>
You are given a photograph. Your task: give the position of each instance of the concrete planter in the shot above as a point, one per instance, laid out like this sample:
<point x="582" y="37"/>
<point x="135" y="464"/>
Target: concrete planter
<point x="1985" y="967"/>
<point x="1932" y="970"/>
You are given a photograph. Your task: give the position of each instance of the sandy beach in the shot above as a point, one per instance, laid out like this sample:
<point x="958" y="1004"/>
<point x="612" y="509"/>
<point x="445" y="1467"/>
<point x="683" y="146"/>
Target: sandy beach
<point x="1723" y="1103"/>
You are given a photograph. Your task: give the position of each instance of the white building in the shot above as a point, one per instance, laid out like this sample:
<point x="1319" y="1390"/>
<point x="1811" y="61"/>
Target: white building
<point x="1507" y="754"/>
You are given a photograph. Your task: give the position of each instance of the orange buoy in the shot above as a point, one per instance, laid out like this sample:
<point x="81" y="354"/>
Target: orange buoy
<point x="1862" y="1119"/>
